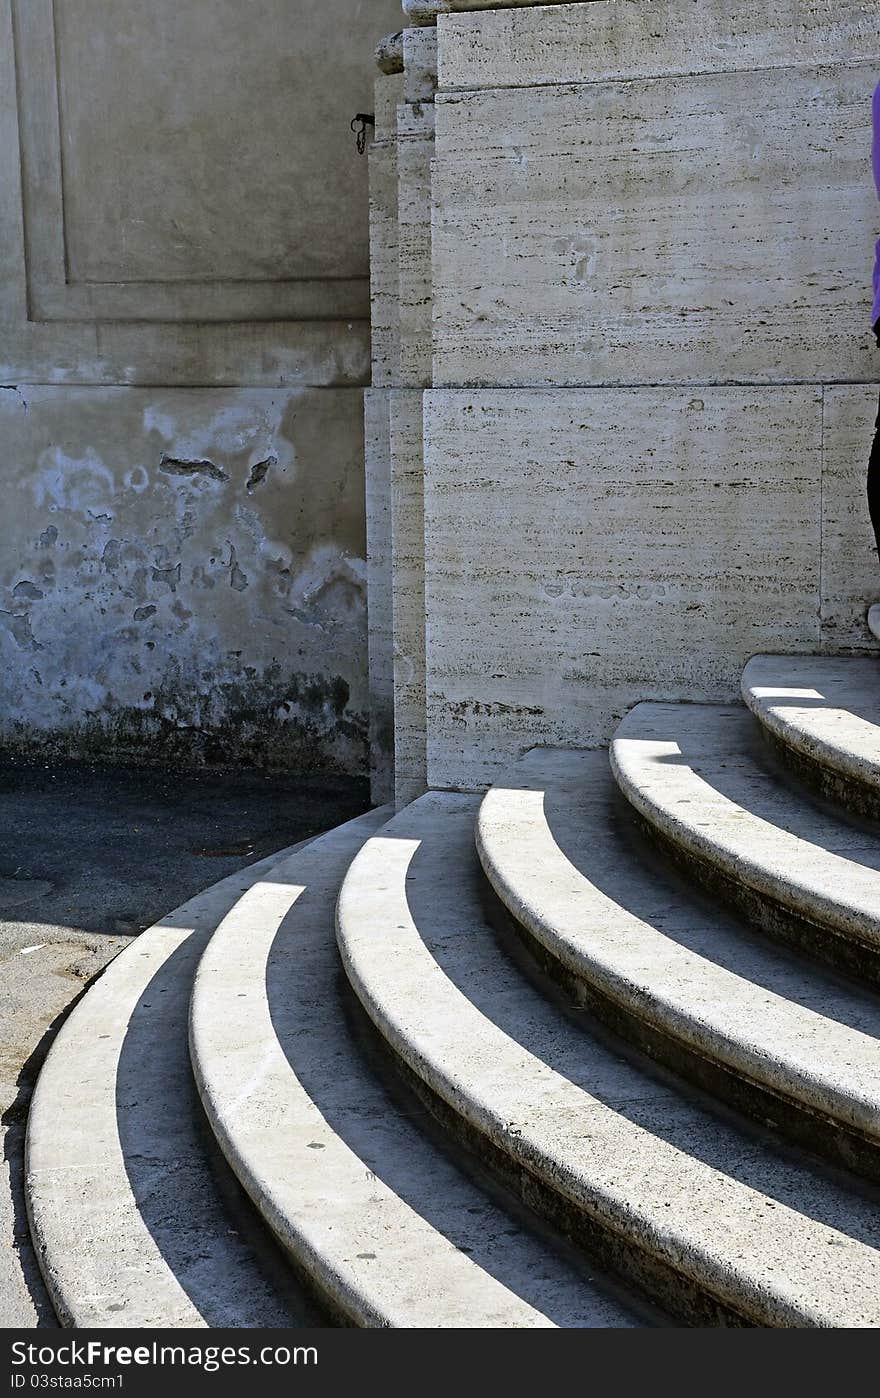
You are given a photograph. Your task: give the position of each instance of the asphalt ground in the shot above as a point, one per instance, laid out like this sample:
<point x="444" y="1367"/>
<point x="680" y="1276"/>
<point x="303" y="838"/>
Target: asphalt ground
<point x="89" y="858"/>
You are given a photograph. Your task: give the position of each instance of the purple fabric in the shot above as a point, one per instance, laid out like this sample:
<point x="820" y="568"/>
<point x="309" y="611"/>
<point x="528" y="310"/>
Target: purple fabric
<point x="876" y="314"/>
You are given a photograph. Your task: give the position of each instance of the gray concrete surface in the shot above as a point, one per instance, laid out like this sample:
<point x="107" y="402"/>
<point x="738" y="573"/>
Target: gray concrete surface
<point x="89" y="858"/>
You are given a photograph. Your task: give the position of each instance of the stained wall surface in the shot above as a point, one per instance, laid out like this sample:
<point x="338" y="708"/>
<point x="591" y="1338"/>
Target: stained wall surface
<point x="184" y="333"/>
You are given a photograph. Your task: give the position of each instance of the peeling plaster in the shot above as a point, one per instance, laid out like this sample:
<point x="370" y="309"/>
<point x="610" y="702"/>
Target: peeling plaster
<point x="259" y="472"/>
<point x="18" y="625"/>
<point x="14" y="389"/>
<point x="237" y="578"/>
<point x="177" y="620"/>
<point x="175" y="467"/>
<point x="27" y="590"/>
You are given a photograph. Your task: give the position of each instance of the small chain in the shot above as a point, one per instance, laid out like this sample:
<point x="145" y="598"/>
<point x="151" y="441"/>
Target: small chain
<point x="359" y="125"/>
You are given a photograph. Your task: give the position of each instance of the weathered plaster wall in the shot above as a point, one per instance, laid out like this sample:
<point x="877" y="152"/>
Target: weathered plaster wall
<point x="182" y="573"/>
<point x="184" y="333"/>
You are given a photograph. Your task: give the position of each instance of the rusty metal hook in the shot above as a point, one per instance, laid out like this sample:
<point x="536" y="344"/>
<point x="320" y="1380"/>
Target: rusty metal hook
<point x="359" y="125"/>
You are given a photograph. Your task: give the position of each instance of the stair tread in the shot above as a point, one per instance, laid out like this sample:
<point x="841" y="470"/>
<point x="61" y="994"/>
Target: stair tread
<point x="388" y="1228"/>
<point x="550" y="845"/>
<point x="827" y="707"/>
<point x="775" y="1238"/>
<point x="689" y="770"/>
<point x="129" y="1226"/>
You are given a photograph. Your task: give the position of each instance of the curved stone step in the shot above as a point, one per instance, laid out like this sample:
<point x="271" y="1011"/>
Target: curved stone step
<point x="775" y="1036"/>
<point x="822" y="714"/>
<point x="874" y="620"/>
<point x="712" y="1220"/>
<point x="692" y="774"/>
<point x="383" y="1225"/>
<point x="128" y="1222"/>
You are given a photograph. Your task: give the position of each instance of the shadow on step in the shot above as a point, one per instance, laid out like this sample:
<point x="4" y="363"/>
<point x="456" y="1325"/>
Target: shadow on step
<point x="186" y="1197"/>
<point x="738" y="768"/>
<point x="305" y="992"/>
<point x="443" y="892"/>
<point x="595" y="831"/>
<point x="14" y="1120"/>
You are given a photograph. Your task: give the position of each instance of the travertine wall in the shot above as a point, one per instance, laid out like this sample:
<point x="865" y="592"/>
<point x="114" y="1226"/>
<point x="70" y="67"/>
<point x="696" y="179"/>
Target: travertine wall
<point x="587" y="549"/>
<point x="377" y="449"/>
<point x="385" y="298"/>
<point x="644" y="38"/>
<point x="184" y="334"/>
<point x="654" y="378"/>
<point x="400" y="231"/>
<point x="711" y="227"/>
<point x="408" y="594"/>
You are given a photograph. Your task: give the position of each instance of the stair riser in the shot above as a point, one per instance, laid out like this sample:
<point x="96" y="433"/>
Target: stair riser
<point x="844" y="954"/>
<point x="408" y="1092"/>
<point x="601" y="1245"/>
<point x="850" y="793"/>
<point x="835" y="1141"/>
<point x="683" y="1293"/>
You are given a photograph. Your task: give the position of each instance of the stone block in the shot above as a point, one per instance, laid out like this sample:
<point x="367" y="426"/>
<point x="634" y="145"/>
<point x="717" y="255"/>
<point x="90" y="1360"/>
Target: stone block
<point x="377" y="451"/>
<point x="420" y="64"/>
<point x="389" y="53"/>
<point x="384" y="276"/>
<point x="717" y="228"/>
<point x="850" y="569"/>
<point x="607" y="39"/>
<point x="387" y="97"/>
<point x="414" y="155"/>
<point x="587" y="550"/>
<point x="408" y="591"/>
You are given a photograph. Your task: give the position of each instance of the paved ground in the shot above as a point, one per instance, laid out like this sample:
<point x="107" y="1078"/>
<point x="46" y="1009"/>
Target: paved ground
<point x="88" y="859"/>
